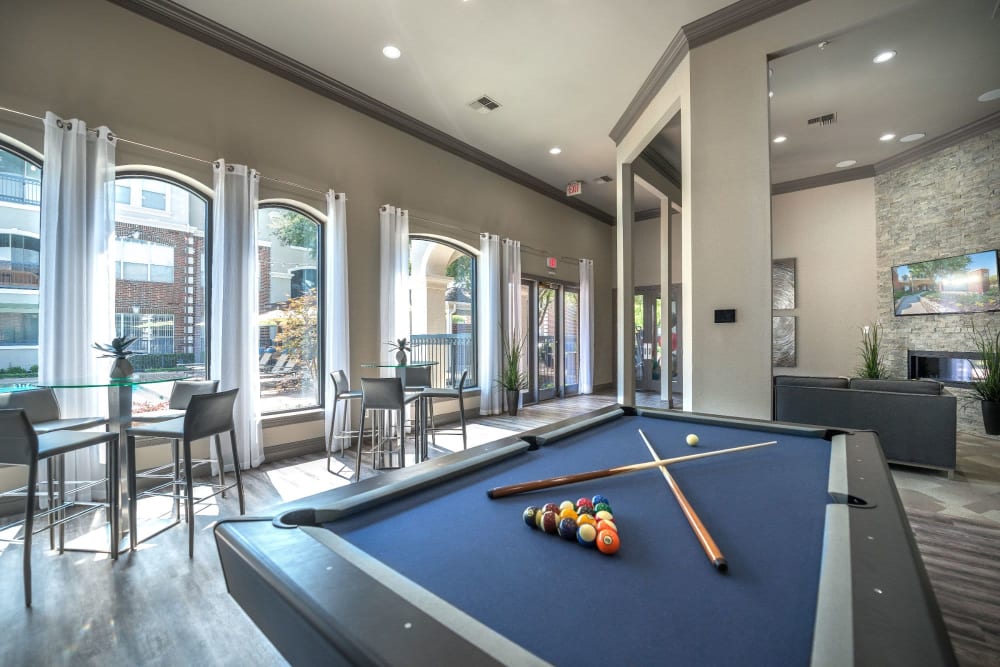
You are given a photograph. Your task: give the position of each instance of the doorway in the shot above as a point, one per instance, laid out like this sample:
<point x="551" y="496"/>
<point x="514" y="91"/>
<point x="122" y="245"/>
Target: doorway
<point x="550" y="312"/>
<point x="652" y="367"/>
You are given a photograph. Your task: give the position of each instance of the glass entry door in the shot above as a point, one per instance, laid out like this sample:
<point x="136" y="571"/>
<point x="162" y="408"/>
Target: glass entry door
<point x="648" y="353"/>
<point x="551" y="315"/>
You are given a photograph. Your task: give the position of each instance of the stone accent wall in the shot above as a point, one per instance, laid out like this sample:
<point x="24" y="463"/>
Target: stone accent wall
<point x="946" y="204"/>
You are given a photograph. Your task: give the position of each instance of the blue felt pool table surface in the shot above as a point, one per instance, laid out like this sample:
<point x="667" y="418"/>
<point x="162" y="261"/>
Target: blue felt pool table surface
<point x="420" y="567"/>
<point x="658" y="600"/>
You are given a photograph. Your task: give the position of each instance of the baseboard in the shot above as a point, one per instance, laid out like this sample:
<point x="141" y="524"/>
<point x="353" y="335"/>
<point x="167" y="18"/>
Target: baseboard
<point x="299" y="448"/>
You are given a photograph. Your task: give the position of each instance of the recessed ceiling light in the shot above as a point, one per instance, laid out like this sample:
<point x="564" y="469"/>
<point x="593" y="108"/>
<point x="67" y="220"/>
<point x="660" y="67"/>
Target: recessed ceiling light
<point x="989" y="95"/>
<point x="770" y="93"/>
<point x="884" y="57"/>
<point x="391" y="52"/>
<point x="780" y="139"/>
<point x="846" y="163"/>
<point x="555" y="150"/>
<point x="912" y="137"/>
<point x="888" y="136"/>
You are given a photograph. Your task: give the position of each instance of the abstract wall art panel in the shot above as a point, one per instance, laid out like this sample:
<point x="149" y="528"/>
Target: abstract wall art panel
<point x="783" y="341"/>
<point x="783" y="284"/>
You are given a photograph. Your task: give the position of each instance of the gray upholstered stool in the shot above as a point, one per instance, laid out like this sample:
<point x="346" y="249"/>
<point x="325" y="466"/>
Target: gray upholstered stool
<point x="21" y="444"/>
<point x="387" y="395"/>
<point x="207" y="415"/>
<point x="431" y="393"/>
<point x="180" y="396"/>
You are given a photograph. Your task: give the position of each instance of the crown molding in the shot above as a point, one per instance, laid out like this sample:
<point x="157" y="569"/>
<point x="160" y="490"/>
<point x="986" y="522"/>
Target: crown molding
<point x="947" y="140"/>
<point x="177" y="17"/>
<point x="664" y="67"/>
<point x="661" y="165"/>
<point x="701" y="31"/>
<point x="818" y="181"/>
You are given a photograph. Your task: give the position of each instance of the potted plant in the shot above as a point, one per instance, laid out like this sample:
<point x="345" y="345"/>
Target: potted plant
<point x="986" y="376"/>
<point x="511" y="378"/>
<point x="872" y="364"/>
<point x="121" y="367"/>
<point x="402" y="346"/>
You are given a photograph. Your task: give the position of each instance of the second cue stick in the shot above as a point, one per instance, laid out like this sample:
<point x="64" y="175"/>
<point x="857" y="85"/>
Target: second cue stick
<point x="707" y="543"/>
<point x="524" y="487"/>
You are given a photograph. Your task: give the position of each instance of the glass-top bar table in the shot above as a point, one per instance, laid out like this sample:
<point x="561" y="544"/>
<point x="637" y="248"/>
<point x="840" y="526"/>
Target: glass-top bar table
<point x="119" y="419"/>
<point x="420" y="437"/>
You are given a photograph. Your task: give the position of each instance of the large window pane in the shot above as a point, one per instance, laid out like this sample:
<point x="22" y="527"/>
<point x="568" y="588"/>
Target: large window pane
<point x="289" y="309"/>
<point x="546" y="338"/>
<point x="442" y="310"/>
<point x="160" y="292"/>
<point x="20" y="193"/>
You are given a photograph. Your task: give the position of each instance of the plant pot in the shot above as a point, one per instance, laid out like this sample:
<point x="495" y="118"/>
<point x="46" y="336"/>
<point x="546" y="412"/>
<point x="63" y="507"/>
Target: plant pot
<point x="121" y="367"/>
<point x="513" y="398"/>
<point x="991" y="417"/>
<point x="401" y="357"/>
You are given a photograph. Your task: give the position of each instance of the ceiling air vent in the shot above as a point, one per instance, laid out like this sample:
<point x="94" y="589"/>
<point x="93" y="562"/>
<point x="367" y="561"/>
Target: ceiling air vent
<point x="603" y="179"/>
<point x="825" y="119"/>
<point x="484" y="105"/>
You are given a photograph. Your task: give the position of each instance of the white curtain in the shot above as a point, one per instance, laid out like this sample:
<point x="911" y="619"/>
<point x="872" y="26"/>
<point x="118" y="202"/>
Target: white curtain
<point x="513" y="325"/>
<point x="586" y="326"/>
<point x="76" y="281"/>
<point x="336" y="344"/>
<point x="234" y="334"/>
<point x="490" y="311"/>
<point x="394" y="288"/>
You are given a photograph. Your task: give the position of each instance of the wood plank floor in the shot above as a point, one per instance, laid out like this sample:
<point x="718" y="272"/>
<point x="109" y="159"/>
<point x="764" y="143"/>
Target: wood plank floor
<point x="157" y="607"/>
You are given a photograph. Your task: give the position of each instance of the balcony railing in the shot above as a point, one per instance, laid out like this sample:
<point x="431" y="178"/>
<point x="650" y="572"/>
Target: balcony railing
<point x="454" y="353"/>
<point x="20" y="189"/>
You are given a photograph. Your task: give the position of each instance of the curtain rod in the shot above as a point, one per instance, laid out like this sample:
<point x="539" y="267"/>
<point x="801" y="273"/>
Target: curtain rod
<point x="169" y="152"/>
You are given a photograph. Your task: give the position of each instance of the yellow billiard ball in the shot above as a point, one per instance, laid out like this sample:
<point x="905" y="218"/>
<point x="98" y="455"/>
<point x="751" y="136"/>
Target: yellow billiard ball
<point x="691" y="439"/>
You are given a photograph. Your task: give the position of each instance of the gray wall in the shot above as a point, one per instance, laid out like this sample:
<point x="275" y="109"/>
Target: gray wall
<point x="944" y="205"/>
<point x="98" y="62"/>
<point x="830" y="231"/>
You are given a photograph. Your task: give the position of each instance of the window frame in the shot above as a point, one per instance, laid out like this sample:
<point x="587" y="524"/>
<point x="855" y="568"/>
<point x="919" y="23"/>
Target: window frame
<point x="321" y="222"/>
<point x="465" y="249"/>
<point x="195" y="189"/>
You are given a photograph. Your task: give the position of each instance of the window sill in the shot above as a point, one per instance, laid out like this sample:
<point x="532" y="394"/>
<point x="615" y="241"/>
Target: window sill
<point x="293" y="417"/>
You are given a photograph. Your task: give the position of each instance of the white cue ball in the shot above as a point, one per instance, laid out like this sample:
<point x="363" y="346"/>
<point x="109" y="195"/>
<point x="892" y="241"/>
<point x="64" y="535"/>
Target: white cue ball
<point x="691" y="439"/>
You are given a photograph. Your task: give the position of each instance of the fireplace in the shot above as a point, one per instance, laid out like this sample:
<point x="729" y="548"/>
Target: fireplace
<point x="951" y="368"/>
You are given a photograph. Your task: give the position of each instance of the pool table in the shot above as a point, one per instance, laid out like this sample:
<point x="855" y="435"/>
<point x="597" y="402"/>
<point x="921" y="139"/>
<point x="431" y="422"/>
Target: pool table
<point x="419" y="567"/>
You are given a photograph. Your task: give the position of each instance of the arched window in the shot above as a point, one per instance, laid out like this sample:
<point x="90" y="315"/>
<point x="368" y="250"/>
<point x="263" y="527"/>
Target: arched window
<point x="160" y="269"/>
<point x="291" y="365"/>
<point x="442" y="309"/>
<point x="20" y="195"/>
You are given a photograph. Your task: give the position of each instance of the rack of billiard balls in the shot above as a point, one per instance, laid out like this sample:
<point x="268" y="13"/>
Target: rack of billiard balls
<point x="589" y="521"/>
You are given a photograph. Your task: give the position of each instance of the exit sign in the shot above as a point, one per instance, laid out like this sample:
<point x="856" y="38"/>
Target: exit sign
<point x="574" y="188"/>
<point x="550" y="262"/>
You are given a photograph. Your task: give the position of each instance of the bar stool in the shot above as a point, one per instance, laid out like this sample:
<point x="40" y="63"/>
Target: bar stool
<point x="180" y="396"/>
<point x="21" y="444"/>
<point x="387" y="395"/>
<point x="207" y="415"/>
<point x="341" y="392"/>
<point x="431" y="393"/>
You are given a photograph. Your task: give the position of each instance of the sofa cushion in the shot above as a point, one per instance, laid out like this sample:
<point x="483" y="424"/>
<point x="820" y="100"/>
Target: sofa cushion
<point x="808" y="381"/>
<point x="928" y="387"/>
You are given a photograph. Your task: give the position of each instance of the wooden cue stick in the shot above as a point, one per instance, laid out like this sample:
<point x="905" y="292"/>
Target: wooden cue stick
<point x="523" y="487"/>
<point x="707" y="543"/>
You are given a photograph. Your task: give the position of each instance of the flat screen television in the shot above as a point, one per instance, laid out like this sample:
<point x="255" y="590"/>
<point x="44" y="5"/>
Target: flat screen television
<point x="959" y="284"/>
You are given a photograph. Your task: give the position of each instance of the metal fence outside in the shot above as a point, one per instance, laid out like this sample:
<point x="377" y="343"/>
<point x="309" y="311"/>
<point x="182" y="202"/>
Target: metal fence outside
<point x="454" y="353"/>
<point x="20" y="189"/>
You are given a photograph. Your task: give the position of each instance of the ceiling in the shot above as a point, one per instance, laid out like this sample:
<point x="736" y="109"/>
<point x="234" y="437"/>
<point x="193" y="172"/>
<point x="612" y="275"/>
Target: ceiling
<point x="565" y="70"/>
<point x="948" y="54"/>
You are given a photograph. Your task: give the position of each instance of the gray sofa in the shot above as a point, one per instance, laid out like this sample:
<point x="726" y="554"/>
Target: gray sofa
<point x="914" y="419"/>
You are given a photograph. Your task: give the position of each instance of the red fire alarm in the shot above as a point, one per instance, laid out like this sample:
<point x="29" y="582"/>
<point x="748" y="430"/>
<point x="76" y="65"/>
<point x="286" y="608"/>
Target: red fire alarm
<point x="550" y="262"/>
